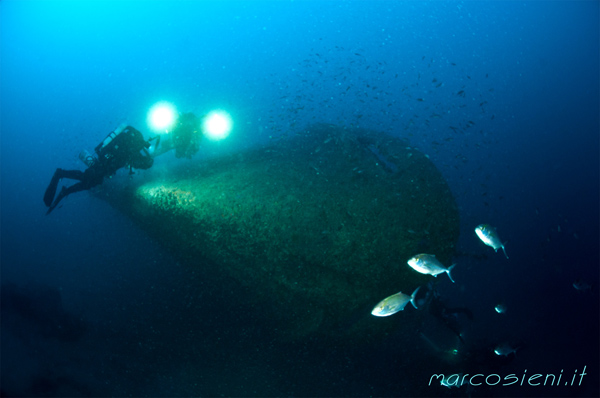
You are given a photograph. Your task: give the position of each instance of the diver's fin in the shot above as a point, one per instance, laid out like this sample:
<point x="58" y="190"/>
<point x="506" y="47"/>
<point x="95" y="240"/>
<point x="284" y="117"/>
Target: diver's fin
<point x="50" y="209"/>
<point x="51" y="190"/>
<point x="61" y="195"/>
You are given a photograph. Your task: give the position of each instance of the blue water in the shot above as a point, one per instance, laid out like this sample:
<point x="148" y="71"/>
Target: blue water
<point x="502" y="96"/>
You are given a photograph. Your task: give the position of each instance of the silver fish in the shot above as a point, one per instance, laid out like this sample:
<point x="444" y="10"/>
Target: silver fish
<point x="429" y="265"/>
<point x="582" y="286"/>
<point x="500" y="309"/>
<point x="489" y="236"/>
<point x="505" y="350"/>
<point x="394" y="303"/>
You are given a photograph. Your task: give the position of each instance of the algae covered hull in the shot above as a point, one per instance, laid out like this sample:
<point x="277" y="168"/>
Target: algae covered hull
<point x="316" y="228"/>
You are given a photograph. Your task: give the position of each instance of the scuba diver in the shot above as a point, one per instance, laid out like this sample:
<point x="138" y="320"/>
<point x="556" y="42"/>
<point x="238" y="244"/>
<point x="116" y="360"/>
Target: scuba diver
<point x="125" y="146"/>
<point x="184" y="138"/>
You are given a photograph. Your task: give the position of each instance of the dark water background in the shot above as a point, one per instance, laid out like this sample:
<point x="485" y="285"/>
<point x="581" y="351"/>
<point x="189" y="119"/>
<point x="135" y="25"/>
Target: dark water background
<point x="92" y="306"/>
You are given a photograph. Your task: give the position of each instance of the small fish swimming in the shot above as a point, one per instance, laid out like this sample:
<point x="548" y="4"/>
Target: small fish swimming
<point x="429" y="265"/>
<point x="582" y="286"/>
<point x="505" y="350"/>
<point x="489" y="236"/>
<point x="394" y="303"/>
<point x="500" y="309"/>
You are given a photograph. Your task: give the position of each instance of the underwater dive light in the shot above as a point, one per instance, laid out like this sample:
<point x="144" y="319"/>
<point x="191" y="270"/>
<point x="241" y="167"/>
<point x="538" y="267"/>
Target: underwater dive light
<point x="217" y="125"/>
<point x="161" y="117"/>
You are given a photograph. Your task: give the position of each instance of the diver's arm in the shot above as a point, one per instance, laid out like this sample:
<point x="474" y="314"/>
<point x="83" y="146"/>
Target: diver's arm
<point x="160" y="146"/>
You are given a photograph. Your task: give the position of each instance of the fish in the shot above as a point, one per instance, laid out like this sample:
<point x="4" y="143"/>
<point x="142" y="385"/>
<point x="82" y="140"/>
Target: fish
<point x="582" y="286"/>
<point x="500" y="309"/>
<point x="429" y="265"/>
<point x="489" y="236"/>
<point x="505" y="350"/>
<point x="394" y="303"/>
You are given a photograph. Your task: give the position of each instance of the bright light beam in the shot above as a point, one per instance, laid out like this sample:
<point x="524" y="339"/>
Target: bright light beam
<point x="161" y="117"/>
<point x="217" y="125"/>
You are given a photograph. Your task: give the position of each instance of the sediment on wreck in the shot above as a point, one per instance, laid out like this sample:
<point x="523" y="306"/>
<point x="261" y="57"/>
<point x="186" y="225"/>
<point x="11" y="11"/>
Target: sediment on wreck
<point x="316" y="228"/>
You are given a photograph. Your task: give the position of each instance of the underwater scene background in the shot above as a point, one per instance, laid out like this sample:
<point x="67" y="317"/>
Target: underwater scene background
<point x="417" y="122"/>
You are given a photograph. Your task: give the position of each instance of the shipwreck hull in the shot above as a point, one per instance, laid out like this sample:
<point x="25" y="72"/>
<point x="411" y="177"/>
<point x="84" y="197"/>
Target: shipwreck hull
<point x="314" y="229"/>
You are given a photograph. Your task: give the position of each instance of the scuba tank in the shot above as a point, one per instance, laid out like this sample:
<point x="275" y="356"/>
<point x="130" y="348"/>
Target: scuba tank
<point x="122" y="147"/>
<point x="87" y="158"/>
<point x="111" y="136"/>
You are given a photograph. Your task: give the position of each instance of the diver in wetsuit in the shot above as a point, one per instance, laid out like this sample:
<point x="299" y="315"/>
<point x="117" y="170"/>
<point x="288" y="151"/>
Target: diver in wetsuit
<point x="184" y="138"/>
<point x="123" y="147"/>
